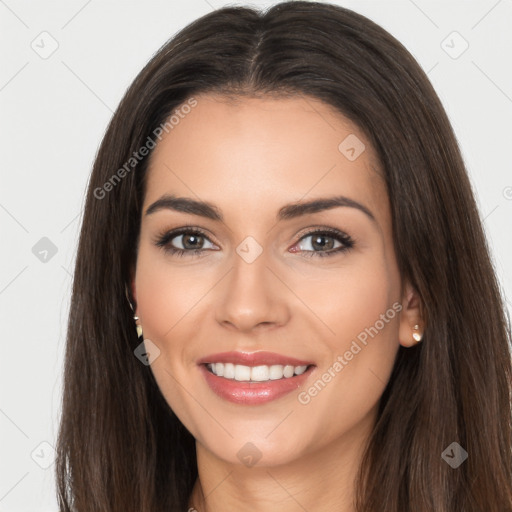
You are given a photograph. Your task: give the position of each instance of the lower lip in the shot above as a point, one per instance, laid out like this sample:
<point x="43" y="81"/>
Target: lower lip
<point x="253" y="393"/>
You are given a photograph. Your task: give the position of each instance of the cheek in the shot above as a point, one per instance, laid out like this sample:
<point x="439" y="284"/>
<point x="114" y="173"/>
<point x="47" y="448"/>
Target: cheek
<point x="166" y="293"/>
<point x="169" y="307"/>
<point x="350" y="298"/>
<point x="362" y="308"/>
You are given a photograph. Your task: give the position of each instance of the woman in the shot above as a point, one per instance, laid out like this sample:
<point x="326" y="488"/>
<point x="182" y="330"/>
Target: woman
<point x="280" y="206"/>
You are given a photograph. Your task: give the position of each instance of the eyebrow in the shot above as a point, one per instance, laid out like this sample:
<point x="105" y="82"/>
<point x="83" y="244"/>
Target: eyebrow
<point x="287" y="212"/>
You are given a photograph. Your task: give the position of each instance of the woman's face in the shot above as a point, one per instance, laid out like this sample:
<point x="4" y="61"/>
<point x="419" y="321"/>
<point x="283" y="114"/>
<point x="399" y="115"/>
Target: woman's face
<point x="269" y="278"/>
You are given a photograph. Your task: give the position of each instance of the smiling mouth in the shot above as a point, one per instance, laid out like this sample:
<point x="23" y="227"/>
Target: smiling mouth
<point x="261" y="373"/>
<point x="244" y="379"/>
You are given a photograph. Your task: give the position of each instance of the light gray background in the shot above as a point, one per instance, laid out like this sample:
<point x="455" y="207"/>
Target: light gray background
<point x="54" y="112"/>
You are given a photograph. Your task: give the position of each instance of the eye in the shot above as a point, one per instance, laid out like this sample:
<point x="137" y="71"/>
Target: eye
<point x="191" y="241"/>
<point x="183" y="241"/>
<point x="325" y="241"/>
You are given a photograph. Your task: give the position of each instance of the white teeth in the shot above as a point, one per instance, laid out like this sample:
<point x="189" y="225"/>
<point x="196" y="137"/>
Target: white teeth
<point x="276" y="372"/>
<point x="299" y="370"/>
<point x="261" y="373"/>
<point x="288" y="371"/>
<point x="229" y="370"/>
<point x="242" y="372"/>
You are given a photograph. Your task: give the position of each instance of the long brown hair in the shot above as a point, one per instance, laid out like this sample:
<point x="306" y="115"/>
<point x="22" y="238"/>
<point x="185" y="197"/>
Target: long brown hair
<point x="120" y="446"/>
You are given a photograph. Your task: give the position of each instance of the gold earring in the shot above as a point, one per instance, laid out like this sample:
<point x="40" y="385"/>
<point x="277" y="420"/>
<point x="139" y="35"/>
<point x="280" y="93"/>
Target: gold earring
<point x="136" y="318"/>
<point x="416" y="335"/>
<point x="138" y="327"/>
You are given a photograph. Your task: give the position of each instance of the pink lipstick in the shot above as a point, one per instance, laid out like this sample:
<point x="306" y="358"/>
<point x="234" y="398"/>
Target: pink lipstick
<point x="253" y="378"/>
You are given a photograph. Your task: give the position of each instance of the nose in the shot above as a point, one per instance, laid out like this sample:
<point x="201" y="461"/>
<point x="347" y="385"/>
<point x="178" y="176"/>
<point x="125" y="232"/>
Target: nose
<point x="251" y="297"/>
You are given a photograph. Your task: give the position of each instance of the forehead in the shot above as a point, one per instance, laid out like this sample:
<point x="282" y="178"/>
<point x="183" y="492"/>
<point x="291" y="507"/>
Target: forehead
<point x="246" y="153"/>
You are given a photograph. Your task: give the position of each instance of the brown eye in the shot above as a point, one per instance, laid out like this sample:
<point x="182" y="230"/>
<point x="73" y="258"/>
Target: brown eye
<point x="191" y="241"/>
<point x="325" y="243"/>
<point x="183" y="241"/>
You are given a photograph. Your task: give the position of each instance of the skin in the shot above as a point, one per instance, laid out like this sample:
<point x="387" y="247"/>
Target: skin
<point x="250" y="157"/>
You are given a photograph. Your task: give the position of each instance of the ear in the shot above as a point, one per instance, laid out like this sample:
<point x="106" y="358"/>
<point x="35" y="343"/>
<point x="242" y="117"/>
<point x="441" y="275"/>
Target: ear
<point x="410" y="316"/>
<point x="132" y="289"/>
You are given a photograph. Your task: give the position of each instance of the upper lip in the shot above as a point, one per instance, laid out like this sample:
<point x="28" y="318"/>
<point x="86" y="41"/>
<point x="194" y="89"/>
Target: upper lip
<point x="253" y="359"/>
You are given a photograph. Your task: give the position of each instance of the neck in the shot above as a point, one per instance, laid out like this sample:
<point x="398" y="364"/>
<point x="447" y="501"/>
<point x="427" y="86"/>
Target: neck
<point x="321" y="480"/>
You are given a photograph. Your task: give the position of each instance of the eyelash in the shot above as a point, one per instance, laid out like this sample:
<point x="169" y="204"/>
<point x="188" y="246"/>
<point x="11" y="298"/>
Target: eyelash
<point x="163" y="241"/>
